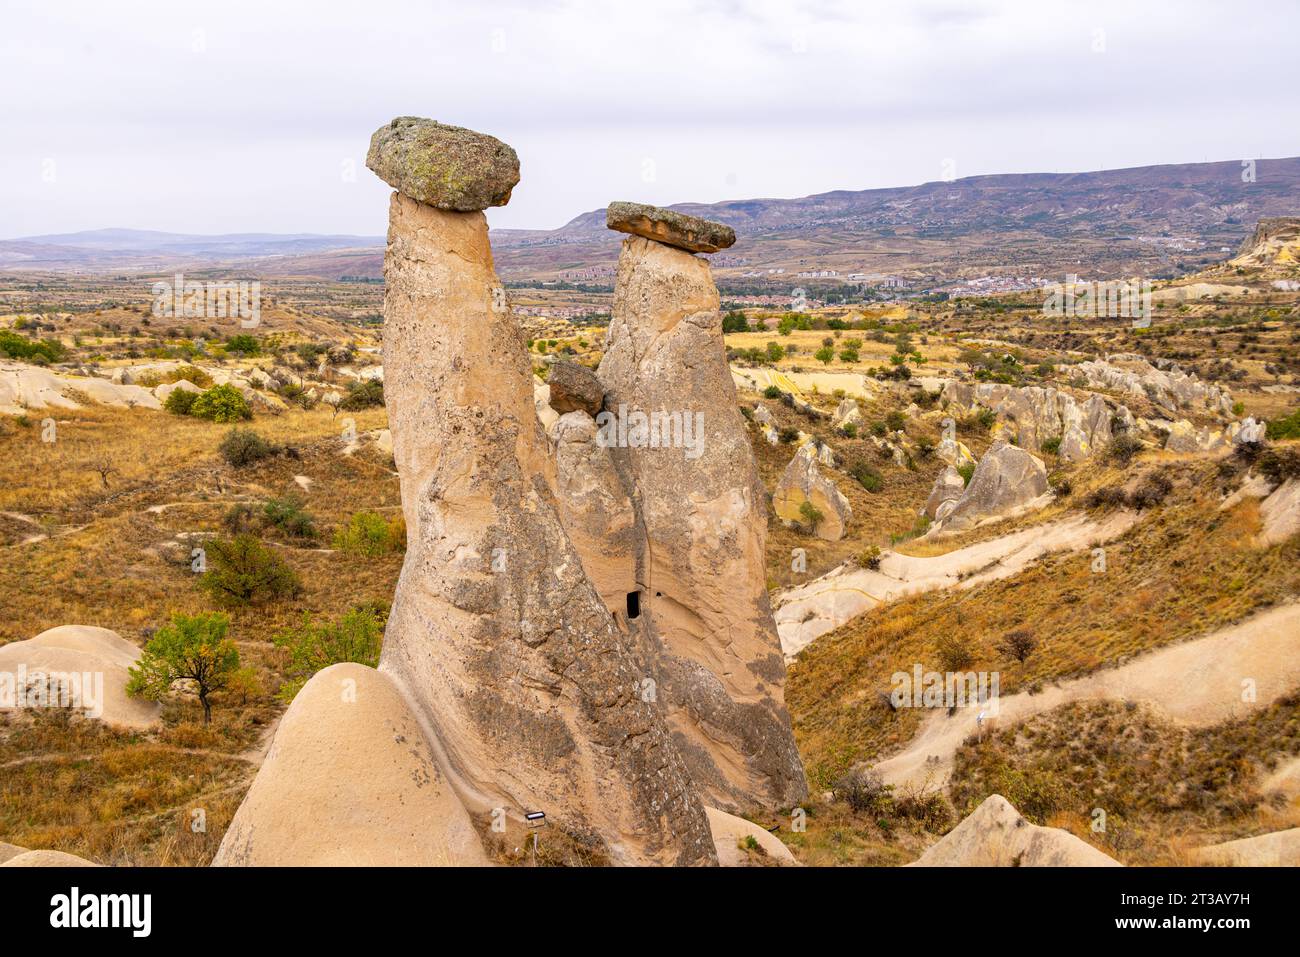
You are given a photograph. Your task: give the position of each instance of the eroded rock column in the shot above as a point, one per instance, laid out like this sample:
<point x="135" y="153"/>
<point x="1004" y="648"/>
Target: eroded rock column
<point x="676" y="435"/>
<point x="528" y="690"/>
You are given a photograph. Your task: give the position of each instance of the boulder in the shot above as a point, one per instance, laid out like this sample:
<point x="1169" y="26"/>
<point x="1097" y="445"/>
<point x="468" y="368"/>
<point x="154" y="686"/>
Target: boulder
<point x="161" y="392"/>
<point x="731" y="832"/>
<point x="1278" y="849"/>
<point x="803" y="482"/>
<point x="48" y="859"/>
<point x="10" y="851"/>
<point x="497" y="636"/>
<point x="948" y="487"/>
<point x="350" y="780"/>
<point x="847" y="413"/>
<point x="670" y="227"/>
<point x="705" y="624"/>
<point x="447" y="167"/>
<point x="995" y="835"/>
<point x="954" y="452"/>
<point x="78" y="650"/>
<point x="1006" y="479"/>
<point x="574" y="387"/>
<point x="1280" y="513"/>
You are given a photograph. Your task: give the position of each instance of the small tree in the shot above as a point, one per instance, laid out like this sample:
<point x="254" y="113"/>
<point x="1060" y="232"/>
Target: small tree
<point x="1018" y="644"/>
<point x="310" y="646"/>
<point x="242" y="570"/>
<point x="954" y="653"/>
<point x="824" y="355"/>
<point x="811" y="515"/>
<point x="193" y="649"/>
<point x="221" y="403"/>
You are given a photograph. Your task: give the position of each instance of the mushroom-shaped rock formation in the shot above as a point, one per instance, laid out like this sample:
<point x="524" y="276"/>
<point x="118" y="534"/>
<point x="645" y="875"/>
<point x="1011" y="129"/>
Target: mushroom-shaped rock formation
<point x="447" y="167"/>
<point x="83" y="667"/>
<point x="700" y="604"/>
<point x="350" y="780"/>
<point x="530" y="694"/>
<point x="669" y="226"/>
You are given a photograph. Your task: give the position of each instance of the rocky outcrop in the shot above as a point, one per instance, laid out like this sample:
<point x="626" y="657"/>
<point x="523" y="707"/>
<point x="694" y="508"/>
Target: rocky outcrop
<point x="847" y="413"/>
<point x="574" y="388"/>
<point x="350" y="780"/>
<point x="530" y="695"/>
<point x="1167" y="386"/>
<point x="954" y="452"/>
<point x="446" y="167"/>
<point x="1034" y="415"/>
<point x="25" y="388"/>
<point x="803" y="482"/>
<point x="1278" y="849"/>
<point x="1007" y="479"/>
<point x="742" y="843"/>
<point x="84" y="666"/>
<point x="1280" y="513"/>
<point x="995" y="835"/>
<point x="669" y="226"/>
<point x="704" y="617"/>
<point x="944" y="494"/>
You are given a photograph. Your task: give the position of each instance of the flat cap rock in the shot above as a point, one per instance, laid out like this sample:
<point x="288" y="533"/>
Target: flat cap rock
<point x="670" y="227"/>
<point x="448" y="167"/>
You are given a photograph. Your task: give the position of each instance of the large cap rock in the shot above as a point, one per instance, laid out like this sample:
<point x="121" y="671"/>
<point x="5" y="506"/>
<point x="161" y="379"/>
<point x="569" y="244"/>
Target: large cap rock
<point x="444" y="166"/>
<point x="575" y="388"/>
<point x="668" y="226"/>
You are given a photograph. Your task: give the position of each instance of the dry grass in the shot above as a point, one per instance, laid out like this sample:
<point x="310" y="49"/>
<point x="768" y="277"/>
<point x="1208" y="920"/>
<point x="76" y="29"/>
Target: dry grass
<point x="1185" y="570"/>
<point x="110" y="561"/>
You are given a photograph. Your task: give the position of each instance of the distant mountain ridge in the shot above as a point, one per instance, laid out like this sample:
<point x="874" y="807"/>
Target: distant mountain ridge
<point x="1147" y="220"/>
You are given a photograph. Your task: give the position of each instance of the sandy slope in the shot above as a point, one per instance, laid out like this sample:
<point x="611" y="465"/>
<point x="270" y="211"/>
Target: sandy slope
<point x="1195" y="683"/>
<point x="809" y="611"/>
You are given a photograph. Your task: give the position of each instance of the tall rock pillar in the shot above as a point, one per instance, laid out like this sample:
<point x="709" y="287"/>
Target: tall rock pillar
<point x="677" y="436"/>
<point x="528" y="691"/>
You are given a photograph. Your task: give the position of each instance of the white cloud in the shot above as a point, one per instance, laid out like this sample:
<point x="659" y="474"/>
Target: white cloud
<point x="238" y="115"/>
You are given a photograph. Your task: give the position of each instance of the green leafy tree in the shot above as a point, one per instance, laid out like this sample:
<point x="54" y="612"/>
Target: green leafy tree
<point x="310" y="646"/>
<point x="824" y="355"/>
<point x="221" y="403"/>
<point x="242" y="571"/>
<point x="193" y="649"/>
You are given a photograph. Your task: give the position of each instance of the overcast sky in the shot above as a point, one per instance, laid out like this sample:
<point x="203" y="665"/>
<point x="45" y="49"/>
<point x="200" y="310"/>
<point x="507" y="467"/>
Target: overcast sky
<point x="234" y="116"/>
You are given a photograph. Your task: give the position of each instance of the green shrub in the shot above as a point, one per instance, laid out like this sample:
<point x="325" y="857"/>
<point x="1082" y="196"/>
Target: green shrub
<point x="1122" y="448"/>
<point x="895" y="421"/>
<point x="955" y="653"/>
<point x="221" y="403"/>
<point x="824" y="355"/>
<point x="812" y="516"/>
<point x="243" y="571"/>
<point x="1284" y="428"/>
<point x="243" y="447"/>
<point x="1051" y="446"/>
<point x="966" y="470"/>
<point x="367" y="533"/>
<point x="775" y="351"/>
<point x="867" y="476"/>
<point x="290" y="518"/>
<point x="363" y="395"/>
<point x="43" y="352"/>
<point x="180" y="401"/>
<point x="771" y="392"/>
<point x="310" y="646"/>
<point x="244" y="344"/>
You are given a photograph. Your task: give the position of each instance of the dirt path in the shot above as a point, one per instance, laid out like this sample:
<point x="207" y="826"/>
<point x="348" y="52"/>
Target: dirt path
<point x="809" y="611"/>
<point x="1195" y="683"/>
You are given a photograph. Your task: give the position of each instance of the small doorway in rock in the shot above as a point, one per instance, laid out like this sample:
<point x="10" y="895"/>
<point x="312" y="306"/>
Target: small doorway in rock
<point x="633" y="605"/>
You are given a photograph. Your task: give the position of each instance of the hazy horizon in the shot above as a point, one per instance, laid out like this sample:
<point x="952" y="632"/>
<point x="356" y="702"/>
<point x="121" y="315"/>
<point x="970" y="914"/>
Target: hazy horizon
<point x="237" y="117"/>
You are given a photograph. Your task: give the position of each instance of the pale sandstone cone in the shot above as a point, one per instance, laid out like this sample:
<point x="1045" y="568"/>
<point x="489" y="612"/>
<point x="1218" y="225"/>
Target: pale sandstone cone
<point x="526" y="688"/>
<point x="707" y="624"/>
